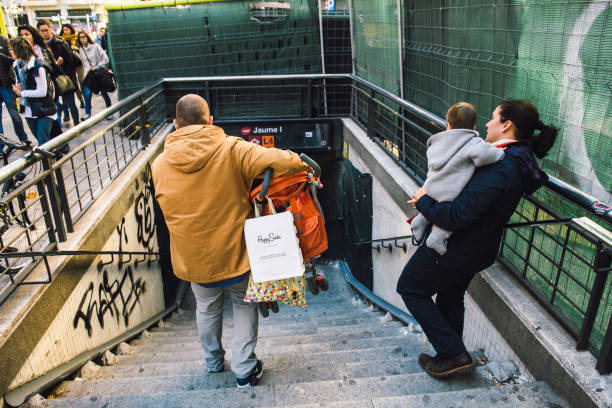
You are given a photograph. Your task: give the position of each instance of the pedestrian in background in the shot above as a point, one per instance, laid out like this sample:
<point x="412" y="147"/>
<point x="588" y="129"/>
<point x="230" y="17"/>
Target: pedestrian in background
<point x="63" y="58"/>
<point x="70" y="36"/>
<point x="92" y="57"/>
<point x="7" y="80"/>
<point x="34" y="88"/>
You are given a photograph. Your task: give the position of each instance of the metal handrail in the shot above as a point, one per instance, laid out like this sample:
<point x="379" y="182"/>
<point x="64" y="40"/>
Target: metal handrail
<point x="22" y="163"/>
<point x="400" y="315"/>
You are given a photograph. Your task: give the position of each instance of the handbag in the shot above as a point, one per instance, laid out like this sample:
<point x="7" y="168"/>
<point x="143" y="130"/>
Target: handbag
<point x="64" y="84"/>
<point x="106" y="79"/>
<point x="41" y="107"/>
<point x="290" y="291"/>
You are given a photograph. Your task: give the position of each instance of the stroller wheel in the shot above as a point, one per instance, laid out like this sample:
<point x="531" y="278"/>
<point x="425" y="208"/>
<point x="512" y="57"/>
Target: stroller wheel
<point x="312" y="285"/>
<point x="273" y="306"/>
<point x="322" y="282"/>
<point x="263" y="309"/>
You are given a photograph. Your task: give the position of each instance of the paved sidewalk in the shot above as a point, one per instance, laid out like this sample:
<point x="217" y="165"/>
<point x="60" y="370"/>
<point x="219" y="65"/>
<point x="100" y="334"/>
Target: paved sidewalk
<point x="97" y="105"/>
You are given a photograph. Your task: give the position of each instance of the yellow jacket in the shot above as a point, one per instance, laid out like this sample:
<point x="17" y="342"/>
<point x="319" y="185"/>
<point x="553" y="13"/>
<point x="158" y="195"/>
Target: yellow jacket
<point x="202" y="182"/>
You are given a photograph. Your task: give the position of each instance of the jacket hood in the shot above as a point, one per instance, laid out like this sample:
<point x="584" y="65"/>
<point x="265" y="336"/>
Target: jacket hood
<point x="189" y="148"/>
<point x="442" y="146"/>
<point x="532" y="176"/>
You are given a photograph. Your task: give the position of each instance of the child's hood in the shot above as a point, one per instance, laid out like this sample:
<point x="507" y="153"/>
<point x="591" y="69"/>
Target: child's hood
<point x="442" y="146"/>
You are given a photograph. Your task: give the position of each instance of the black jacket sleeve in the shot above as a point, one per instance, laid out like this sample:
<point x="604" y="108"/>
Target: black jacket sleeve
<point x="485" y="187"/>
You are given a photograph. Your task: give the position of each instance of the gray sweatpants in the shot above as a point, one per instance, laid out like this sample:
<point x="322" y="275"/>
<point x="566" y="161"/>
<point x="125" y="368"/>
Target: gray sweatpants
<point x="209" y="315"/>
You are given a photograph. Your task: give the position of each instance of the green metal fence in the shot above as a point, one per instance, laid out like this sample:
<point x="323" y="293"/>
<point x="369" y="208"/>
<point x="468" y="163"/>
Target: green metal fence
<point x="212" y="38"/>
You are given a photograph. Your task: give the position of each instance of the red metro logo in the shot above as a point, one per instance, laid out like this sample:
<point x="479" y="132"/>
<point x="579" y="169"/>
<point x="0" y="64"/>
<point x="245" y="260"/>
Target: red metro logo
<point x="245" y="130"/>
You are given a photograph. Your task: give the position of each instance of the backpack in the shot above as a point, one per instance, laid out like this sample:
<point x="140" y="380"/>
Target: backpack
<point x="43" y="106"/>
<point x="294" y="192"/>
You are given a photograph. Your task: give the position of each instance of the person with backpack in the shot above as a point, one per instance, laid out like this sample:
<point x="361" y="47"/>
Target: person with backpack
<point x="63" y="58"/>
<point x="35" y="89"/>
<point x="7" y="79"/>
<point x="46" y="57"/>
<point x="202" y="181"/>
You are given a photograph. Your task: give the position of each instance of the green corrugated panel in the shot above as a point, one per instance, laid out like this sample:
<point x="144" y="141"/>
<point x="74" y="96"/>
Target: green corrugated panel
<point x="375" y="35"/>
<point x="210" y="39"/>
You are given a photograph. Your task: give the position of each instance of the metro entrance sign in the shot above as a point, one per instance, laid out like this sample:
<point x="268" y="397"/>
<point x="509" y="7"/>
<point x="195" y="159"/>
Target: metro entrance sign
<point x="330" y="5"/>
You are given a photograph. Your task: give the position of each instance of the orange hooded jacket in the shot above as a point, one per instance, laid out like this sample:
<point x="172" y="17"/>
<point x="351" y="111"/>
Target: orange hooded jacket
<point x="202" y="182"/>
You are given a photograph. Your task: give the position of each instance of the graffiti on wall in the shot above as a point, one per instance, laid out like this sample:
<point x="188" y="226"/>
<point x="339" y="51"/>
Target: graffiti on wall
<point x="116" y="290"/>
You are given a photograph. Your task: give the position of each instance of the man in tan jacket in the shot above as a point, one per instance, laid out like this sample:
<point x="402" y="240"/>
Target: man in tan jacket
<point x="202" y="182"/>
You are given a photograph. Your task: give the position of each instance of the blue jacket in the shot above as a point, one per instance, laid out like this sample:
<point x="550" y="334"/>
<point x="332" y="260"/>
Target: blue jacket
<point x="477" y="216"/>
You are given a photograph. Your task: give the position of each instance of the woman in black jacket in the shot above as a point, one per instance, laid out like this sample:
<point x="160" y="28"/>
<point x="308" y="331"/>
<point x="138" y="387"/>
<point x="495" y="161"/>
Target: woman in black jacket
<point x="476" y="217"/>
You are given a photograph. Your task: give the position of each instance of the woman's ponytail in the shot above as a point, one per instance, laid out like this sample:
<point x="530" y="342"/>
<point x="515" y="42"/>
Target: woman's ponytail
<point x="525" y="118"/>
<point x="545" y="140"/>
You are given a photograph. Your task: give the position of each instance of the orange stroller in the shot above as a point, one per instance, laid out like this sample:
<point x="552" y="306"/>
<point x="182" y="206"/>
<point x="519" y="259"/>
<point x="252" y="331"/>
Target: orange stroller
<point x="298" y="193"/>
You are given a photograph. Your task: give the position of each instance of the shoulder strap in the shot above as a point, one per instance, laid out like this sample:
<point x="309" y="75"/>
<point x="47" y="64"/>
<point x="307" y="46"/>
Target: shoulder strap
<point x="87" y="57"/>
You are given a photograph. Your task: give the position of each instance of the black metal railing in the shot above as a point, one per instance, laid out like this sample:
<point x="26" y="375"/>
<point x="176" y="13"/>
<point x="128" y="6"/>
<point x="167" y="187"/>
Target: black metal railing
<point x="565" y="265"/>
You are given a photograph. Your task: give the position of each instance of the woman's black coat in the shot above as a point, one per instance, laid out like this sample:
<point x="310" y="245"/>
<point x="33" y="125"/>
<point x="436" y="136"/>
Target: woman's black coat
<point x="485" y="205"/>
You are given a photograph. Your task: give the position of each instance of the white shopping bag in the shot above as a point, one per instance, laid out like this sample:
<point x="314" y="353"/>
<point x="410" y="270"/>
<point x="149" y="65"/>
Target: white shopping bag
<point x="273" y="247"/>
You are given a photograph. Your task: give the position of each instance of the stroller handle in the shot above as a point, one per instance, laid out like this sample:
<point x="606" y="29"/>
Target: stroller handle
<point x="268" y="176"/>
<point x="265" y="185"/>
<point x="315" y="166"/>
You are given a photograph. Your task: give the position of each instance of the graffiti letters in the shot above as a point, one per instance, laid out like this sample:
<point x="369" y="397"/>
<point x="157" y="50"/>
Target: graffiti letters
<point x="117" y="298"/>
<point x="117" y="291"/>
<point x="143" y="211"/>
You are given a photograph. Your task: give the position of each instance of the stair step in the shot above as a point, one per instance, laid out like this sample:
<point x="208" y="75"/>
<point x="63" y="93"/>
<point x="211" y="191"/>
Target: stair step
<point x="316" y="368"/>
<point x="275" y="373"/>
<point x="185" y="393"/>
<point x="380" y="353"/>
<point x="270" y="347"/>
<point x="348" y="320"/>
<point x="530" y="395"/>
<point x="285" y="310"/>
<point x="159" y="343"/>
<point x="293" y="318"/>
<point x="269" y="331"/>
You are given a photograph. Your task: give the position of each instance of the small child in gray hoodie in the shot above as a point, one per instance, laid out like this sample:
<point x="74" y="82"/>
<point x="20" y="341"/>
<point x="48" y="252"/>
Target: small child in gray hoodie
<point x="452" y="158"/>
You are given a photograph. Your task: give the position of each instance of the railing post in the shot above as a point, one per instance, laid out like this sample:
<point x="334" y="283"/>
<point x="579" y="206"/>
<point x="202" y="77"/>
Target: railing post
<point x="54" y="200"/>
<point x="44" y="204"/>
<point x="144" y="123"/>
<point x="602" y="260"/>
<point x="61" y="190"/>
<point x="604" y="361"/>
<point x="371" y="116"/>
<point x="309" y="103"/>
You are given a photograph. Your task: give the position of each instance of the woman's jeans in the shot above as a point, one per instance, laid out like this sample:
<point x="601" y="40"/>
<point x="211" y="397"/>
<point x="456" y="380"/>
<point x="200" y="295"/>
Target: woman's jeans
<point x="67" y="103"/>
<point x="442" y="321"/>
<point x="8" y="97"/>
<point x="41" y="128"/>
<point x="88" y="93"/>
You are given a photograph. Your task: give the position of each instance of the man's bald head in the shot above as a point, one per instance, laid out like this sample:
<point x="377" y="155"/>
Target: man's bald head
<point x="192" y="109"/>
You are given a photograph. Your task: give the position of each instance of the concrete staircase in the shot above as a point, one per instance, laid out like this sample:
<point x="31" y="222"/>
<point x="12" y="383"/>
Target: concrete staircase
<point x="337" y="352"/>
